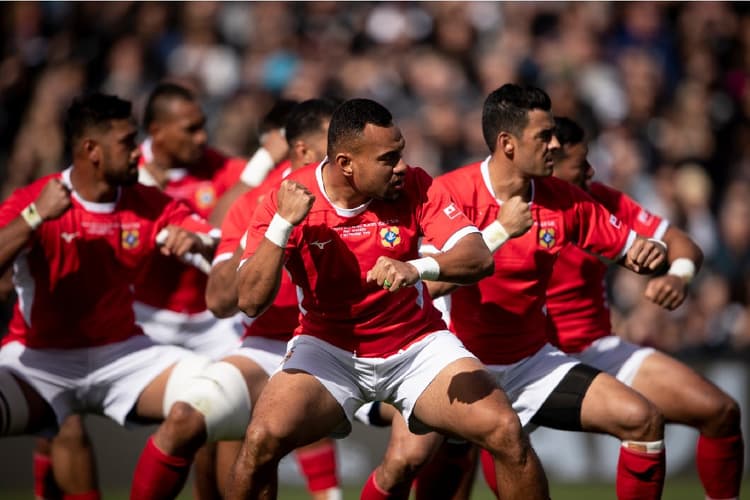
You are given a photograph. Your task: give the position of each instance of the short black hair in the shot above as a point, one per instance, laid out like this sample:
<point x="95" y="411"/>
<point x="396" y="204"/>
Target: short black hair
<point x="507" y="110"/>
<point x="158" y="98"/>
<point x="94" y="110"/>
<point x="350" y="118"/>
<point x="567" y="131"/>
<point x="308" y="117"/>
<point x="277" y="116"/>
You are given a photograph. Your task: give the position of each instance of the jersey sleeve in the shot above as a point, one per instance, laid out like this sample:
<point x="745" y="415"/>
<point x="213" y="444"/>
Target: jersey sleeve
<point x="178" y="213"/>
<point x="16" y="202"/>
<point x="641" y="220"/>
<point x="234" y="226"/>
<point x="442" y="222"/>
<point x="597" y="230"/>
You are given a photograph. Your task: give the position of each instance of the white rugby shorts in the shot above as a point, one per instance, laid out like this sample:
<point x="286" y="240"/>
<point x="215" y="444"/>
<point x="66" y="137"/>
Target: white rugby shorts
<point x="106" y="380"/>
<point x="398" y="379"/>
<point x="529" y="382"/>
<point x="616" y="356"/>
<point x="201" y="333"/>
<point x="267" y="353"/>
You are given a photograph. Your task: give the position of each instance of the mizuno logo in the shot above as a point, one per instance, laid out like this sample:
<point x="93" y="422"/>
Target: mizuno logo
<point x="68" y="237"/>
<point x="320" y="244"/>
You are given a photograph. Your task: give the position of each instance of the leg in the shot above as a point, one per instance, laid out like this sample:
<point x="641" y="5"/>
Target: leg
<point x="464" y="400"/>
<point x="318" y="464"/>
<point x="450" y="473"/>
<point x="294" y="409"/>
<point x="205" y="486"/>
<point x="45" y="487"/>
<point x="73" y="459"/>
<point x="205" y="403"/>
<point x="226" y="454"/>
<point x="611" y="407"/>
<point x="407" y="453"/>
<point x="686" y="397"/>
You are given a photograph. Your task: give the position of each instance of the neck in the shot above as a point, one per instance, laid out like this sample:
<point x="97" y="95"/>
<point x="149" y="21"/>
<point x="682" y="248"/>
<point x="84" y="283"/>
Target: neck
<point x="91" y="189"/>
<point x="507" y="181"/>
<point x="338" y="189"/>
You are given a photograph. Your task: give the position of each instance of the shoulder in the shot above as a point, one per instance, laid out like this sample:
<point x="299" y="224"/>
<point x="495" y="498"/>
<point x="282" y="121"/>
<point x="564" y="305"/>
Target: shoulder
<point x="605" y="194"/>
<point x="462" y="182"/>
<point x="144" y="198"/>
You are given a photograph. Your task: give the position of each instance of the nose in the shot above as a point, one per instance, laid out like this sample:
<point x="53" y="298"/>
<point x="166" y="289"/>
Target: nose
<point x="400" y="168"/>
<point x="554" y="143"/>
<point x="590" y="171"/>
<point x="201" y="137"/>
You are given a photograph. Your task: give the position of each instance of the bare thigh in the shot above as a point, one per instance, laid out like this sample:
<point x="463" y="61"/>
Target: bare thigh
<point x="462" y="400"/>
<point x="681" y="394"/>
<point x="295" y="408"/>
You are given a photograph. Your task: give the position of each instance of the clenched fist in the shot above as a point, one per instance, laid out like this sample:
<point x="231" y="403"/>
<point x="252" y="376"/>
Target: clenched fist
<point x="392" y="274"/>
<point x="295" y="201"/>
<point x="667" y="291"/>
<point x="645" y="256"/>
<point x="515" y="216"/>
<point x="53" y="201"/>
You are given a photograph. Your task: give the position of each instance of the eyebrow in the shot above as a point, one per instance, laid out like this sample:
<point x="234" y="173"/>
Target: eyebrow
<point x="399" y="149"/>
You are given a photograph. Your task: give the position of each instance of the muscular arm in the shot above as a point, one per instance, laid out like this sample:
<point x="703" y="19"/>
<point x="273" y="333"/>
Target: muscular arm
<point x="680" y="246"/>
<point x="221" y="291"/>
<point x="259" y="278"/>
<point x="467" y="262"/>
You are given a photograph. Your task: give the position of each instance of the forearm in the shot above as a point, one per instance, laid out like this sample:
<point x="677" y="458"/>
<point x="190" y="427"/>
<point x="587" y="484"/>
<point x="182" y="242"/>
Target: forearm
<point x="221" y="290"/>
<point x="467" y="262"/>
<point x="680" y="246"/>
<point x="440" y="288"/>
<point x="259" y="278"/>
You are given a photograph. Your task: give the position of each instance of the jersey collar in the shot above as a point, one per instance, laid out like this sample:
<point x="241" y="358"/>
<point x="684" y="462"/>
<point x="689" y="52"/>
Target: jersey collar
<point x="89" y="206"/>
<point x="342" y="212"/>
<point x="484" y="168"/>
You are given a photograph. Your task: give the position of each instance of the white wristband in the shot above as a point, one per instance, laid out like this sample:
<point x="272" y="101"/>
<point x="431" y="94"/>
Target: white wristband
<point x="257" y="168"/>
<point x="494" y="236"/>
<point x="31" y="216"/>
<point x="427" y="267"/>
<point x="279" y="230"/>
<point x="684" y="268"/>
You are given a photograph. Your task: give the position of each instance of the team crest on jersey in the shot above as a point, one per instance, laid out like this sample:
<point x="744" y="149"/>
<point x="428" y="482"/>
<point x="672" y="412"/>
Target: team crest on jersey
<point x="389" y="236"/>
<point x="130" y="238"/>
<point x="205" y="196"/>
<point x="547" y="237"/>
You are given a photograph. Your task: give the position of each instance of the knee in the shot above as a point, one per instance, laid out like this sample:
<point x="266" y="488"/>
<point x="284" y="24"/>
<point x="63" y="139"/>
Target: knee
<point x="641" y="421"/>
<point x="506" y="440"/>
<point x="185" y="424"/>
<point x="725" y="419"/>
<point x="402" y="463"/>
<point x="262" y="445"/>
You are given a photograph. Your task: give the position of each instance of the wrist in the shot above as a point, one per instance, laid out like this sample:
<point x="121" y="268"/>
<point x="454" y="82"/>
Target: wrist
<point x="279" y="230"/>
<point x="683" y="268"/>
<point x="427" y="267"/>
<point x="495" y="236"/>
<point x="32" y="217"/>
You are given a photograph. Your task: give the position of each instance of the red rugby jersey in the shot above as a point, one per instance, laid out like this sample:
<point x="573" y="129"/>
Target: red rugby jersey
<point x="329" y="253"/>
<point x="278" y="321"/>
<point x="578" y="312"/>
<point x="502" y="318"/>
<point x="74" y="279"/>
<point x="168" y="283"/>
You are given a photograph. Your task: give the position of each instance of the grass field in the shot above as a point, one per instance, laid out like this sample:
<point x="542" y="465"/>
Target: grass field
<point x="676" y="489"/>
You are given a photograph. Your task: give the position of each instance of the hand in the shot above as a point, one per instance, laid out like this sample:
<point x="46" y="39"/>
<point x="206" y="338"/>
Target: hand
<point x="295" y="201"/>
<point x="392" y="274"/>
<point x="275" y="143"/>
<point x="179" y="241"/>
<point x="515" y="216"/>
<point x="667" y="291"/>
<point x="53" y="201"/>
<point x="645" y="256"/>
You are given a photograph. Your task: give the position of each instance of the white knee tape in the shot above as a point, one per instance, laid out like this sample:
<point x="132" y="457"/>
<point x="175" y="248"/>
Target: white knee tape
<point x="181" y="377"/>
<point x="220" y="393"/>
<point x="14" y="410"/>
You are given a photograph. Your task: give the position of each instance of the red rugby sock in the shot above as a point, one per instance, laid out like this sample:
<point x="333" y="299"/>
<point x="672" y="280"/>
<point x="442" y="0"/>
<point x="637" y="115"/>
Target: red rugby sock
<point x="720" y="463"/>
<point x="158" y="475"/>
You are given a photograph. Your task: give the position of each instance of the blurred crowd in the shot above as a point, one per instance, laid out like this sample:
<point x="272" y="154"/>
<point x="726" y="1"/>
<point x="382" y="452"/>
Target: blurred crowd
<point x="662" y="89"/>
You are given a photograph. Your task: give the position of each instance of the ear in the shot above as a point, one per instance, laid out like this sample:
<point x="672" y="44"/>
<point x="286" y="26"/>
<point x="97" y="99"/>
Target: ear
<point x="92" y="150"/>
<point x="505" y="143"/>
<point x="300" y="150"/>
<point x="344" y="162"/>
